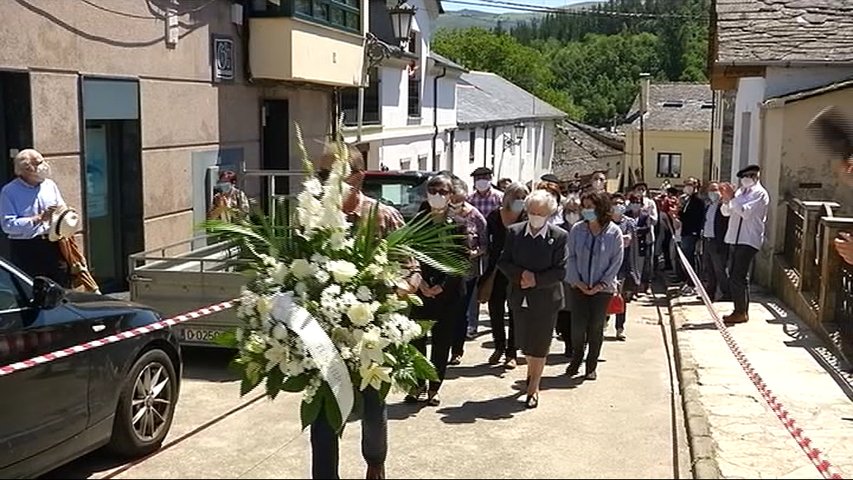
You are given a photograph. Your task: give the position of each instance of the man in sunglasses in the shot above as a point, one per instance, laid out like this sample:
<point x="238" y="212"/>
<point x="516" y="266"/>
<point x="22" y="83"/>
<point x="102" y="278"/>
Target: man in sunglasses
<point x="746" y="208"/>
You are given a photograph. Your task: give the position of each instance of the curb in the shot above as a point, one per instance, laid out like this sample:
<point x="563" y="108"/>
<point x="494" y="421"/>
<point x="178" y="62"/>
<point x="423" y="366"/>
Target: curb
<point x="703" y="449"/>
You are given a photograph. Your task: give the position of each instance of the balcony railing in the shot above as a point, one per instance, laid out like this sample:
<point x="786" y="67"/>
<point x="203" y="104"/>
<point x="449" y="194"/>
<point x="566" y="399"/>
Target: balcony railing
<point x="822" y="280"/>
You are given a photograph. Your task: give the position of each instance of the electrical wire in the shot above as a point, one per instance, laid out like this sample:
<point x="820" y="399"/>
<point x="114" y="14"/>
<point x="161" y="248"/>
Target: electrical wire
<point x="526" y="7"/>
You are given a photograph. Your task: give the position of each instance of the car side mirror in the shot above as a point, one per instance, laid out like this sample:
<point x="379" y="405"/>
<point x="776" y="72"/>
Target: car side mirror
<point x="47" y="294"/>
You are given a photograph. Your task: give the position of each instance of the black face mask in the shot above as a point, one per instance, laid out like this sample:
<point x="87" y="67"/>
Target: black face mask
<point x="323" y="174"/>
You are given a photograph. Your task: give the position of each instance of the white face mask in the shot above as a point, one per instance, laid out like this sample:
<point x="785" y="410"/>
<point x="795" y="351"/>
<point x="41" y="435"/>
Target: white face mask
<point x="482" y="185"/>
<point x="536" y="221"/>
<point x="42" y="171"/>
<point x="436" y="201"/>
<point x="747" y="182"/>
<point x="572" y="217"/>
<point x="689" y="190"/>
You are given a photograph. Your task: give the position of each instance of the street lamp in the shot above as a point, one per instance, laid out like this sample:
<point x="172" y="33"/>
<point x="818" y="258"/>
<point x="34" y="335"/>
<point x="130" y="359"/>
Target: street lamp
<point x="519" y="131"/>
<point x="401" y="21"/>
<point x="375" y="50"/>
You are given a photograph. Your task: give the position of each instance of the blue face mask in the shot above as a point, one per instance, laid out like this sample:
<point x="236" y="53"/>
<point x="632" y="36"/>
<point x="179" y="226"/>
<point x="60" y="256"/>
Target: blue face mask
<point x="589" y="214"/>
<point x="517" y="206"/>
<point x="714" y="197"/>
<point x="619" y="209"/>
<point x="224" y="187"/>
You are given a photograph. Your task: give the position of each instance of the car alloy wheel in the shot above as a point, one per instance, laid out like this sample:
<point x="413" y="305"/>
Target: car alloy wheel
<point x="152" y="401"/>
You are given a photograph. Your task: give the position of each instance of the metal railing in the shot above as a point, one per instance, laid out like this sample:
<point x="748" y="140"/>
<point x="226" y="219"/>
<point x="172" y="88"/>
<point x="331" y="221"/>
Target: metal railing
<point x="275" y="187"/>
<point x="820" y="277"/>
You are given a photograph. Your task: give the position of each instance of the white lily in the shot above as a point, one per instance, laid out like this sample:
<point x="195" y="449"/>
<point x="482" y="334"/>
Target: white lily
<point x="371" y="346"/>
<point x="374" y="375"/>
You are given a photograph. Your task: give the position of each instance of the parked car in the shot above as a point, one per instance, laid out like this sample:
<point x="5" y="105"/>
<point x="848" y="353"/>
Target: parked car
<point x="404" y="190"/>
<point x="121" y="395"/>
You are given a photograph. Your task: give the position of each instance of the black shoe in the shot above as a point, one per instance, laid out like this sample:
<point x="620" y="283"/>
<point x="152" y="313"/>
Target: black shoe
<point x="591" y="376"/>
<point x="433" y="400"/>
<point x="455" y="360"/>
<point x="572" y="369"/>
<point x="495" y="357"/>
<point x="532" y="401"/>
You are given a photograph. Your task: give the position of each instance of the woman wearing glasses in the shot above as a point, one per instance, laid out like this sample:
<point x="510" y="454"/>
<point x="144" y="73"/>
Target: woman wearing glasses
<point x="443" y="295"/>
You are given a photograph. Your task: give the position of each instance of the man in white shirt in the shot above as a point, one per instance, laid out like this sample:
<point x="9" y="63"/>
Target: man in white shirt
<point x="747" y="212"/>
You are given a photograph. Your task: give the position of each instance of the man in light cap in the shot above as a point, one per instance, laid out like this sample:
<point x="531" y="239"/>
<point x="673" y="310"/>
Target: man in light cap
<point x="26" y="205"/>
<point x="485" y="198"/>
<point x="747" y="212"/>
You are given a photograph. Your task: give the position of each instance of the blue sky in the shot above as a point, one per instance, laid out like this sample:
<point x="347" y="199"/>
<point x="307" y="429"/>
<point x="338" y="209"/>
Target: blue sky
<point x="545" y="3"/>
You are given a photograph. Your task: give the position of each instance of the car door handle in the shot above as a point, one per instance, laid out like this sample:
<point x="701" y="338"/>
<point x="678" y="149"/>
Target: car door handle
<point x="99" y="328"/>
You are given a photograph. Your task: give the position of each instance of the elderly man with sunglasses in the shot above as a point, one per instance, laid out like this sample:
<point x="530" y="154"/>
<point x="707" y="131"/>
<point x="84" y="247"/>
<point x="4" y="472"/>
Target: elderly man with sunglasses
<point x="747" y="212"/>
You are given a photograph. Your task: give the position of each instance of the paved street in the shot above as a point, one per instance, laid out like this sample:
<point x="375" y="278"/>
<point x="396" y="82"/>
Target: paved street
<point x="749" y="441"/>
<point x="619" y="426"/>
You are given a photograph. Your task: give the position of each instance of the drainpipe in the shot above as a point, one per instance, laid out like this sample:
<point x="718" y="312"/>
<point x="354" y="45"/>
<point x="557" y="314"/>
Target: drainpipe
<point x="360" y="116"/>
<point x="435" y="166"/>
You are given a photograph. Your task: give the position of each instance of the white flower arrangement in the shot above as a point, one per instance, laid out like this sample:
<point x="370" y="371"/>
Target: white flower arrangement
<point x="347" y="279"/>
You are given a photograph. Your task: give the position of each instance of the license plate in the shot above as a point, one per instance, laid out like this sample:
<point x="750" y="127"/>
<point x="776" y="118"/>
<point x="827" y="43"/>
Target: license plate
<point x="201" y="335"/>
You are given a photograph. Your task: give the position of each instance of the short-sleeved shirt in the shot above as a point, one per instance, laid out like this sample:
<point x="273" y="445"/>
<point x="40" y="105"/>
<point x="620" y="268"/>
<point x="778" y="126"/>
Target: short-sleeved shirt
<point x="487" y="203"/>
<point x="388" y="217"/>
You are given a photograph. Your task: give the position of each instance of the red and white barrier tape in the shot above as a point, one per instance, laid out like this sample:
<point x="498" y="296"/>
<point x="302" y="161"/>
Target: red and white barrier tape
<point x="65" y="352"/>
<point x="823" y="466"/>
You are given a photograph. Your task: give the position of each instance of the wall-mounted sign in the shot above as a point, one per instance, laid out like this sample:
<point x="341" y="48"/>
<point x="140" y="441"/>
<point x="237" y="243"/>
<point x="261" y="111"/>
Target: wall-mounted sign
<point x="223" y="61"/>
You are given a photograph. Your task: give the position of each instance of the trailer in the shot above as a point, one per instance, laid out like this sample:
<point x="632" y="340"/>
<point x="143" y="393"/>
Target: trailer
<point x="188" y="275"/>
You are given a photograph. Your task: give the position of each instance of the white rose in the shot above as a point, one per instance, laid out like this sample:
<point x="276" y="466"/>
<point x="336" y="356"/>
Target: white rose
<point x="280" y="273"/>
<point x="317" y="258"/>
<point x="301" y="268"/>
<point x="279" y="332"/>
<point x="342" y="270"/>
<point x="360" y="314"/>
<point x="300" y="288"/>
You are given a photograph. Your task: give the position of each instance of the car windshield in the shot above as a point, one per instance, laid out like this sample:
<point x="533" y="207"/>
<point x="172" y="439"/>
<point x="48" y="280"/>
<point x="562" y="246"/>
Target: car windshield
<point x="406" y="193"/>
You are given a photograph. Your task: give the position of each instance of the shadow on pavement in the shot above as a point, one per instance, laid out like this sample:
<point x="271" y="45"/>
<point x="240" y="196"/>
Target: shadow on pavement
<point x="95" y="463"/>
<point x="803" y="337"/>
<point x="499" y="408"/>
<point x="211" y="364"/>
<point x="473" y="371"/>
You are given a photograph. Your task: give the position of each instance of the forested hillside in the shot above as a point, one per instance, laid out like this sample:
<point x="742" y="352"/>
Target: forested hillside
<point x="588" y="63"/>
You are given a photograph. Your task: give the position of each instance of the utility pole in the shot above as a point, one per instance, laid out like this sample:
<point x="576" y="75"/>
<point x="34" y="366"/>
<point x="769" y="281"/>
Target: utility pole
<point x="645" y="86"/>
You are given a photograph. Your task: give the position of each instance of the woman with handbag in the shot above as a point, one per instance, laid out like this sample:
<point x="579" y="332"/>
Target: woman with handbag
<point x="594" y="258"/>
<point x="493" y="284"/>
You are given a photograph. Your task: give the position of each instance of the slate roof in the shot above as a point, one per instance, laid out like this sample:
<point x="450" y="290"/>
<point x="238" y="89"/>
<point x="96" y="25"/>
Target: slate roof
<point x="759" y="32"/>
<point x="581" y="149"/>
<point x="483" y="97"/>
<point x="692" y="115"/>
<point x="813" y="92"/>
<point x="446" y="62"/>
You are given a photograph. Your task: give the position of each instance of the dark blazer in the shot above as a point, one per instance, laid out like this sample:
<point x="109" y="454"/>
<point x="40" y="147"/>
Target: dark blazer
<point x="721" y="226"/>
<point x="545" y="257"/>
<point x="497" y="237"/>
<point x="692" y="215"/>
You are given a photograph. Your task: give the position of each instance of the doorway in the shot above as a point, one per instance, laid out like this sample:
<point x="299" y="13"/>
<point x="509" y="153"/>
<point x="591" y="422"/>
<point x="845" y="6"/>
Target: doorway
<point x="276" y="144"/>
<point x="16" y="128"/>
<point x="113" y="186"/>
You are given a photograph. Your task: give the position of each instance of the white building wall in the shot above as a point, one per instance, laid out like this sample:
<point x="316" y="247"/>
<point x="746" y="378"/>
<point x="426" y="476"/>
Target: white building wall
<point x="521" y="161"/>
<point x="750" y="94"/>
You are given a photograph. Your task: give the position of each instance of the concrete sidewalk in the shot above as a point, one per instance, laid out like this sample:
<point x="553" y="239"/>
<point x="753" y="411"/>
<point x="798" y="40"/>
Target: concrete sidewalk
<point x="741" y="433"/>
<point x="619" y="426"/>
